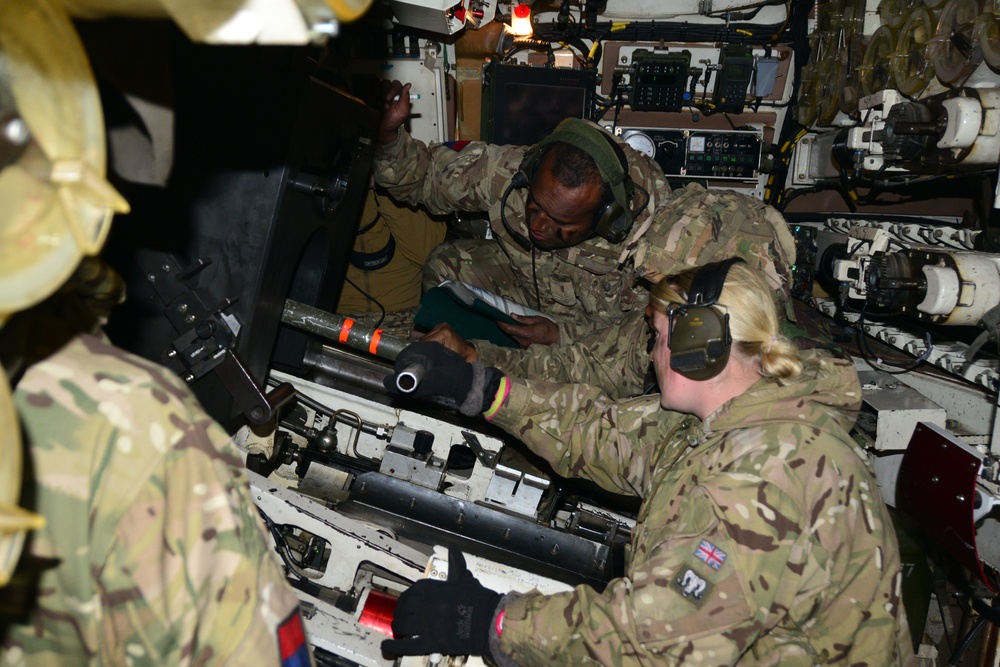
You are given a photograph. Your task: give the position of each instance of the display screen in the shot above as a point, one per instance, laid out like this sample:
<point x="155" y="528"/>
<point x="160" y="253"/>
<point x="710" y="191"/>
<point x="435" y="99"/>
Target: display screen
<point x="532" y="111"/>
<point x="522" y="104"/>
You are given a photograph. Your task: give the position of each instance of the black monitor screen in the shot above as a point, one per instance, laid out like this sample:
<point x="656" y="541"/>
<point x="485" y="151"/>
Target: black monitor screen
<point x="532" y="111"/>
<point x="522" y="104"/>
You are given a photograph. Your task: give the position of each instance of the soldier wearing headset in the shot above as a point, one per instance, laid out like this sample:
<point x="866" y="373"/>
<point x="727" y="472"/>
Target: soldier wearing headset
<point x="567" y="215"/>
<point x="761" y="538"/>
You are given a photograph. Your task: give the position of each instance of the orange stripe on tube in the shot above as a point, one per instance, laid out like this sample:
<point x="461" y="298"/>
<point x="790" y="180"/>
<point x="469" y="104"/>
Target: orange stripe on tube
<point x="373" y="346"/>
<point x="345" y="329"/>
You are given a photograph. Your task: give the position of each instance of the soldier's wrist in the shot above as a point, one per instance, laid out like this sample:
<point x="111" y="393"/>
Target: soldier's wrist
<point x="499" y="397"/>
<point x="388" y="137"/>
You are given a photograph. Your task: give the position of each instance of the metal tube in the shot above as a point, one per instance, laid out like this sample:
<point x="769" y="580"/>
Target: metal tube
<point x="346" y="370"/>
<point x="343" y="330"/>
<point x="408" y="379"/>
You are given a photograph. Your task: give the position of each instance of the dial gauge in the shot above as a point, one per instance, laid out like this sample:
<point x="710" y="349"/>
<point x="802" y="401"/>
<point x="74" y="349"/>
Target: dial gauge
<point x="640" y="141"/>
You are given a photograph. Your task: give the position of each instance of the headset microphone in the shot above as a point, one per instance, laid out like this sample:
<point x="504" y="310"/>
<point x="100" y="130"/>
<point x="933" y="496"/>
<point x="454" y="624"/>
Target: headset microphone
<point x="520" y="180"/>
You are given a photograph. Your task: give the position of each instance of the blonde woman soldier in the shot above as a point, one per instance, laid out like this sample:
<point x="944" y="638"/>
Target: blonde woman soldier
<point x="761" y="538"/>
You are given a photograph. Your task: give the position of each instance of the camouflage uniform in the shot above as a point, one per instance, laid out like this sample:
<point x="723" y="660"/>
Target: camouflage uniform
<point x="581" y="287"/>
<point x="156" y="553"/>
<point x="697" y="226"/>
<point x="616" y="359"/>
<point x="613" y="359"/>
<point x="762" y="537"/>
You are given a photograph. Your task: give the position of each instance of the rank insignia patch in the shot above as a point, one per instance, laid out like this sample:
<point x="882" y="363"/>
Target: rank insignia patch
<point x="710" y="554"/>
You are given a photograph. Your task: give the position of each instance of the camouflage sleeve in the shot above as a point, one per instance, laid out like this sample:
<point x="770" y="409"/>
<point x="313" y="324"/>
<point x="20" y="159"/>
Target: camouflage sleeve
<point x="673" y="609"/>
<point x="765" y="548"/>
<point x="442" y="179"/>
<point x="581" y="432"/>
<point x="190" y="576"/>
<point x="161" y="555"/>
<point x="613" y="359"/>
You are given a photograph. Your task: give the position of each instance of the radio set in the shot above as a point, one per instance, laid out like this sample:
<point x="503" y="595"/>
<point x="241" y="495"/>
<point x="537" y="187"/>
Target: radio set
<point x="721" y="154"/>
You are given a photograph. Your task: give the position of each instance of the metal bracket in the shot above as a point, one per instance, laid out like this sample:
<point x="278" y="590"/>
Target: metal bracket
<point x="207" y="337"/>
<point x="485" y="457"/>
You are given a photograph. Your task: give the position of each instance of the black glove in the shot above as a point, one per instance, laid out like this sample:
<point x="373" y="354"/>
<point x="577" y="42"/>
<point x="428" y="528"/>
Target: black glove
<point x="441" y="373"/>
<point x="451" y="617"/>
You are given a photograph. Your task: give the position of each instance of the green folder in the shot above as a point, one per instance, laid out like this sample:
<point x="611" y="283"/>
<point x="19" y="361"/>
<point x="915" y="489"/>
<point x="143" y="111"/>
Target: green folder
<point x="470" y="316"/>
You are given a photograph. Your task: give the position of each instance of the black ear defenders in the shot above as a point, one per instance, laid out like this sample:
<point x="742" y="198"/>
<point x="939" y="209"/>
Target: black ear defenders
<point x="699" y="339"/>
<point x="613" y="220"/>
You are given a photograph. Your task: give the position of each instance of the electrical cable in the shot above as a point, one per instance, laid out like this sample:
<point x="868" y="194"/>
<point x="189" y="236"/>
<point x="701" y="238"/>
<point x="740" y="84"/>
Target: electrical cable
<point x="730" y="14"/>
<point x="534" y="277"/>
<point x="788" y="16"/>
<point x="362" y="230"/>
<point x="794" y="193"/>
<point x="284" y="551"/>
<point x="986" y="615"/>
<point x="773" y="195"/>
<point x="848" y="189"/>
<point x="878" y="188"/>
<point x="880" y="363"/>
<point x="796" y="25"/>
<point x="370" y="298"/>
<point x="518" y="181"/>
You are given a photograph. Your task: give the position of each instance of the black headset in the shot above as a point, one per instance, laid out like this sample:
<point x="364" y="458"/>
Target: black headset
<point x="699" y="338"/>
<point x="614" y="219"/>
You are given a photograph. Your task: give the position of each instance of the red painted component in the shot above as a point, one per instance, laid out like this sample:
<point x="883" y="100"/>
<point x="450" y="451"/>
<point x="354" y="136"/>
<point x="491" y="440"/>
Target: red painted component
<point x="937" y="487"/>
<point x="378" y="612"/>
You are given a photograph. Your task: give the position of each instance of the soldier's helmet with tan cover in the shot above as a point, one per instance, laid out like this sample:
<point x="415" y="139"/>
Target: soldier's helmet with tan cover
<point x="55" y="203"/>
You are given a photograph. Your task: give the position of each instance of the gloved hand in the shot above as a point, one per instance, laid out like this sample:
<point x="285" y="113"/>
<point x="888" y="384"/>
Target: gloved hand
<point x="444" y="374"/>
<point x="452" y="617"/>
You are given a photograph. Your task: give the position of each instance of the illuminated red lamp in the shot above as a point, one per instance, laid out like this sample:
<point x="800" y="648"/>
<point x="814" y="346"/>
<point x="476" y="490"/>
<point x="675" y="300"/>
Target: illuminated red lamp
<point x="520" y="21"/>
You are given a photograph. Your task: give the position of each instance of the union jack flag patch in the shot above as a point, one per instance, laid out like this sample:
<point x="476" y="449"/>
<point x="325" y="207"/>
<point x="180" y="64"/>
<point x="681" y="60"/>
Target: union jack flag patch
<point x="711" y="554"/>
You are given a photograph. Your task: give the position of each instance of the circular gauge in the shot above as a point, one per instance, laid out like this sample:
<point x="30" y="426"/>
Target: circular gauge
<point x="640" y="141"/>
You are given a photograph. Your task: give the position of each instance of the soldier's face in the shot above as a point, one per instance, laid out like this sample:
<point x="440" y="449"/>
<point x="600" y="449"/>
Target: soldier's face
<point x="559" y="216"/>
